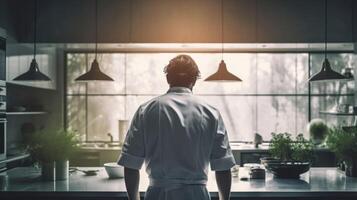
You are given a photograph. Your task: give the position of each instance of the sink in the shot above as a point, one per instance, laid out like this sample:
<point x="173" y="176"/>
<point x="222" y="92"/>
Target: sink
<point x="100" y="145"/>
<point x="114" y="145"/>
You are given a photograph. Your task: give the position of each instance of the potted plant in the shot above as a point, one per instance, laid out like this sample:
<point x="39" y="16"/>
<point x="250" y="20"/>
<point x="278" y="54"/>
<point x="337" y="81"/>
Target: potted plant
<point x="318" y="131"/>
<point x="53" y="149"/>
<point x="65" y="146"/>
<point x="290" y="158"/>
<point x="344" y="144"/>
<point x="40" y="145"/>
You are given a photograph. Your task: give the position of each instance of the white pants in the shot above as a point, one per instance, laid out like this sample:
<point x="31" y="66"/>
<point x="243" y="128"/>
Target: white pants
<point x="177" y="192"/>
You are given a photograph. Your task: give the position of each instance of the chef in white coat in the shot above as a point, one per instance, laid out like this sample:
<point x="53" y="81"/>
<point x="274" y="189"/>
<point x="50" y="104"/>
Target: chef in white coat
<point x="178" y="136"/>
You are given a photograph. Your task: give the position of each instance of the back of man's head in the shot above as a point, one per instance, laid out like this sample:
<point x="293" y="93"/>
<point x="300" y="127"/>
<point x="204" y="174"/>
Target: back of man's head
<point x="182" y="71"/>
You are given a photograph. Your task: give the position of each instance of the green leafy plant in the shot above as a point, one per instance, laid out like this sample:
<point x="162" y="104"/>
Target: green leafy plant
<point x="318" y="130"/>
<point x="343" y="143"/>
<point x="66" y="144"/>
<point x="283" y="147"/>
<point x="48" y="146"/>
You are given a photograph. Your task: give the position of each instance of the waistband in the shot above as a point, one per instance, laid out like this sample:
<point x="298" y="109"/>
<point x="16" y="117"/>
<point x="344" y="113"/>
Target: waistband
<point x="169" y="182"/>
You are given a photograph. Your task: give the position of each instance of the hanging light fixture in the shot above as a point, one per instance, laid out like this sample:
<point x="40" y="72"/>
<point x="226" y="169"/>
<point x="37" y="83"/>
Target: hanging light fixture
<point x="34" y="73"/>
<point x="326" y="73"/>
<point x="94" y="74"/>
<point x="222" y="74"/>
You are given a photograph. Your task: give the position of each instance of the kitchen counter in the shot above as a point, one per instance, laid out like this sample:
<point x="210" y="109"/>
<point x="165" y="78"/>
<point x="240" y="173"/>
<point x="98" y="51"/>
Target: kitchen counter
<point x="318" y="182"/>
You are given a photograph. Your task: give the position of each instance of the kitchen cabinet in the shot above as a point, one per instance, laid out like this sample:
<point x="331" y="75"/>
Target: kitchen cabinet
<point x="318" y="183"/>
<point x="95" y="157"/>
<point x="190" y="21"/>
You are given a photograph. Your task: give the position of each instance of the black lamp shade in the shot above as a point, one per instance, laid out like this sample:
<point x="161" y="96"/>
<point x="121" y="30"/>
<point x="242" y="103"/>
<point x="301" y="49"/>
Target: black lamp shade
<point x="33" y="74"/>
<point x="222" y="74"/>
<point x="94" y="74"/>
<point x="327" y="73"/>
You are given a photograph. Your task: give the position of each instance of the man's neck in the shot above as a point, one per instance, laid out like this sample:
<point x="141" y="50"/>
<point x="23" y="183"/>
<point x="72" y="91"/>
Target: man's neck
<point x="190" y="88"/>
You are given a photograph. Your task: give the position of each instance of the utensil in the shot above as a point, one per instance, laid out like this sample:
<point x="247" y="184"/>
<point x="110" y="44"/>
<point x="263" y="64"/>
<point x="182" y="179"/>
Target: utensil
<point x="114" y="170"/>
<point x="86" y="172"/>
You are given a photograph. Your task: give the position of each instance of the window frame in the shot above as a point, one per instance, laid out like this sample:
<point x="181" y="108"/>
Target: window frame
<point x="86" y="51"/>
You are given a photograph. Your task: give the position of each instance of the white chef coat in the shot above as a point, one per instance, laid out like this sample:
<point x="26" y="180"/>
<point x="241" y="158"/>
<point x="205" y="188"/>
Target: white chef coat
<point x="178" y="136"/>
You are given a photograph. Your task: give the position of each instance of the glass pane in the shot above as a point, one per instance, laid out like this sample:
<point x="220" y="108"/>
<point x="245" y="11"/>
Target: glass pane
<point x="282" y="73"/>
<point x="103" y="115"/>
<point x="282" y="114"/>
<point x="76" y="115"/>
<point x="145" y="73"/>
<point x="338" y="63"/>
<point x="240" y="64"/>
<point x="76" y="66"/>
<point x="329" y="103"/>
<point x="113" y="65"/>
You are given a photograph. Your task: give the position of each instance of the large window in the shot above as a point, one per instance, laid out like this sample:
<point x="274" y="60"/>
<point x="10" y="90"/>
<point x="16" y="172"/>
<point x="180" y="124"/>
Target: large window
<point x="274" y="96"/>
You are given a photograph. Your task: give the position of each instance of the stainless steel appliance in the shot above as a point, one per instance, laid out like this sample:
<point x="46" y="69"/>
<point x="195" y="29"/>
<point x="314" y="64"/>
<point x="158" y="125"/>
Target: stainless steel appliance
<point x="3" y="122"/>
<point x="2" y="95"/>
<point x="2" y="55"/>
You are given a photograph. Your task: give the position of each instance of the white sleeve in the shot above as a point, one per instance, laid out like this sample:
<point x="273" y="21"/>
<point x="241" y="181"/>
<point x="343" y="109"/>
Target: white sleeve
<point x="133" y="150"/>
<point x="221" y="154"/>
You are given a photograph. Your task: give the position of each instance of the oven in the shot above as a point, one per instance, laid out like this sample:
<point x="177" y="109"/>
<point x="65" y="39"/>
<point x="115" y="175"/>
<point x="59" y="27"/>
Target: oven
<point x="3" y="122"/>
<point x="2" y="58"/>
<point x="2" y="95"/>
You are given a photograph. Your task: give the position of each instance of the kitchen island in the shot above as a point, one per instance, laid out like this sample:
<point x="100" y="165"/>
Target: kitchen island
<point x="318" y="183"/>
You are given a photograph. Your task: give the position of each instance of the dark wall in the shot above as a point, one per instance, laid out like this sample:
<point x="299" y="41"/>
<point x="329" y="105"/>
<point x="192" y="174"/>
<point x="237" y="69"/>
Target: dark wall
<point x="7" y="19"/>
<point x="72" y="21"/>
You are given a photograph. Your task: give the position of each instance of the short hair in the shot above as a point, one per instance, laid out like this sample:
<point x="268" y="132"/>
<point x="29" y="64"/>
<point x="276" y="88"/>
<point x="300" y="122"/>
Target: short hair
<point x="182" y="71"/>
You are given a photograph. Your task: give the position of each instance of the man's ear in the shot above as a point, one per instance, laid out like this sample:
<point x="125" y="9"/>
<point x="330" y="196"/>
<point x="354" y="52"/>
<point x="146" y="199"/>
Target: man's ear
<point x="193" y="82"/>
<point x="168" y="79"/>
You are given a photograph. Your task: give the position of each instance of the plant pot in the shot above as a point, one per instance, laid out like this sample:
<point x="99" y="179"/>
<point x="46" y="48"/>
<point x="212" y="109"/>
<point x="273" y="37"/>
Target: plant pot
<point x="287" y="169"/>
<point x="62" y="170"/>
<point x="351" y="169"/>
<point x="48" y="171"/>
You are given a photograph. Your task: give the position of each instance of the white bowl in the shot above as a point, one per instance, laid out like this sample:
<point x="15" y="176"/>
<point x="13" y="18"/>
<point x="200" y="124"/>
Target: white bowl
<point x="114" y="170"/>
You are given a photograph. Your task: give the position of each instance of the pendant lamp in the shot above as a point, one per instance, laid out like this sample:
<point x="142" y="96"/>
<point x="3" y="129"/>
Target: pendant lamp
<point x="326" y="73"/>
<point x="222" y="74"/>
<point x="34" y="73"/>
<point x="94" y="74"/>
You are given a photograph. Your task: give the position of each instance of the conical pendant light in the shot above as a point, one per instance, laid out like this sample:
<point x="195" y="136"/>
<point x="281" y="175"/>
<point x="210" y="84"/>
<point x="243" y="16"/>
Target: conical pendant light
<point x="326" y="73"/>
<point x="222" y="74"/>
<point x="34" y="73"/>
<point x="95" y="74"/>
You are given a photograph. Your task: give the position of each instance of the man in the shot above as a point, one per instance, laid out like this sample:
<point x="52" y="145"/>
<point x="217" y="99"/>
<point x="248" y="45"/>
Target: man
<point x="178" y="136"/>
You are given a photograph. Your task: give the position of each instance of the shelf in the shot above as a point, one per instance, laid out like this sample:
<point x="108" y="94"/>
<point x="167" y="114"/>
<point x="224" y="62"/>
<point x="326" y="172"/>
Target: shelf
<point x="33" y="86"/>
<point x="27" y="113"/>
<point x="15" y="158"/>
<point x="337" y="113"/>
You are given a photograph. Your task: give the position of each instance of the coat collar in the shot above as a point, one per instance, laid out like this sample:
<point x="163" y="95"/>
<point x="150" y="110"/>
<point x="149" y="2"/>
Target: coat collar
<point x="179" y="90"/>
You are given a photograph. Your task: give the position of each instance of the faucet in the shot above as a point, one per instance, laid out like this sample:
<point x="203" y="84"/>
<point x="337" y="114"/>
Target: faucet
<point x="111" y="137"/>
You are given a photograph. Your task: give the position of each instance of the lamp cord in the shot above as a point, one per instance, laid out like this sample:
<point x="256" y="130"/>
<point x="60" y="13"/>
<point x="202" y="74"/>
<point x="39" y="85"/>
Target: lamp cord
<point x="256" y="65"/>
<point x="34" y="29"/>
<point x="352" y="21"/>
<point x="96" y="28"/>
<point x="325" y="29"/>
<point x="222" y="28"/>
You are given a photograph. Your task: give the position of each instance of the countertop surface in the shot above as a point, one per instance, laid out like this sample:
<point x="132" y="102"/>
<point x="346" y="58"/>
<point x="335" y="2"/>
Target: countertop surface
<point x="316" y="182"/>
